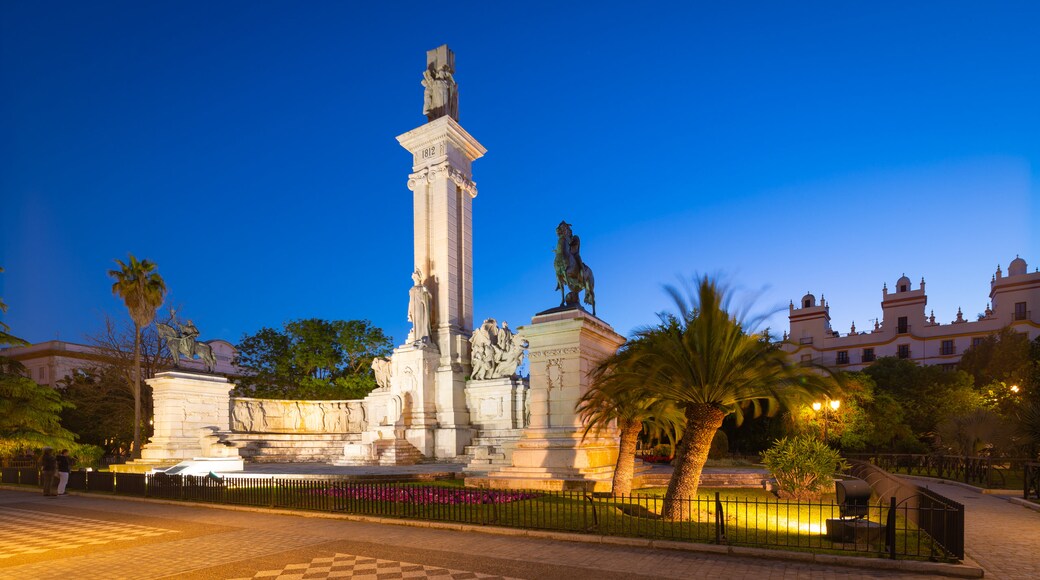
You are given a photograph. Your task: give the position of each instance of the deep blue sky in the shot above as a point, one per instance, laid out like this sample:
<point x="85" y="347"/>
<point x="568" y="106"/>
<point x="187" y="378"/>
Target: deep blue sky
<point x="249" y="149"/>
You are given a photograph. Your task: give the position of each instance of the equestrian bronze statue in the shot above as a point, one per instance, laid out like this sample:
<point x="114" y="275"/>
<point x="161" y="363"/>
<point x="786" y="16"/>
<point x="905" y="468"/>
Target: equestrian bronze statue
<point x="182" y="342"/>
<point x="572" y="275"/>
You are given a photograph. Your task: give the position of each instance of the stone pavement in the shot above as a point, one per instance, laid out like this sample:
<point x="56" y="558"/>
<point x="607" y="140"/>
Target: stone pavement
<point x="113" y="538"/>
<point x="1001" y="536"/>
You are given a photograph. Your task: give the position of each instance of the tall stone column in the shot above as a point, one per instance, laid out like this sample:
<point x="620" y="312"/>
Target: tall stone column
<point x="442" y="194"/>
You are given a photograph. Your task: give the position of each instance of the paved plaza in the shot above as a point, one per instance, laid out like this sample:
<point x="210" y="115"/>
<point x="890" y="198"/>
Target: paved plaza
<point x="90" y="536"/>
<point x="1000" y="536"/>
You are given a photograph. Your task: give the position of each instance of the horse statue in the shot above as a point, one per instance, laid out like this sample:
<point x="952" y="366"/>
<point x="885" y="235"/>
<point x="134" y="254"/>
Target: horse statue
<point x="572" y="275"/>
<point x="183" y="343"/>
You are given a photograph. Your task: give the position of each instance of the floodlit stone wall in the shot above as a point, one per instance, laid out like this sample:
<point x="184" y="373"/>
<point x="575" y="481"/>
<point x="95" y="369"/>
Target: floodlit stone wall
<point x="296" y="416"/>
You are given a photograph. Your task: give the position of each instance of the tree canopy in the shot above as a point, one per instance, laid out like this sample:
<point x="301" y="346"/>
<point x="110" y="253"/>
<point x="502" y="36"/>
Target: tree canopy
<point x="1000" y="357"/>
<point x="311" y="358"/>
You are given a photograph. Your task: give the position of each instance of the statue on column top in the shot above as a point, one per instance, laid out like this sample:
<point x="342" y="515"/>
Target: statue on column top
<point x="441" y="94"/>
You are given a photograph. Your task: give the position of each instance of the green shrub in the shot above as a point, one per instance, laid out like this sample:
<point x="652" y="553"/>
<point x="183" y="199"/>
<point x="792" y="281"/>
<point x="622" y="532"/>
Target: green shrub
<point x="803" y="466"/>
<point x="663" y="450"/>
<point x="719" y="445"/>
<point x="86" y="455"/>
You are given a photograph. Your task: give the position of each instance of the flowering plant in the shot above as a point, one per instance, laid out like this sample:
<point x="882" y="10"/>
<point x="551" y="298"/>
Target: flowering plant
<point x="427" y="495"/>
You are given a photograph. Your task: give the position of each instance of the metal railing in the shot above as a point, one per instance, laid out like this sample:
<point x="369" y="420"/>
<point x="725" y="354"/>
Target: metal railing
<point x="941" y="518"/>
<point x="999" y="472"/>
<point x="889" y="529"/>
<point x="1031" y="481"/>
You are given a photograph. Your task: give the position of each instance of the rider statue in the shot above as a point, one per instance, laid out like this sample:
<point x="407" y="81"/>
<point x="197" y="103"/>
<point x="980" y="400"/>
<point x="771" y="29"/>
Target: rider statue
<point x="572" y="274"/>
<point x="184" y="341"/>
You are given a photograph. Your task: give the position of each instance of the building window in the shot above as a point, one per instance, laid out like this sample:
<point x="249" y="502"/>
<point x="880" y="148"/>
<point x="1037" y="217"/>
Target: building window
<point x="950" y="367"/>
<point x="1020" y="311"/>
<point x="868" y="355"/>
<point x="947" y="347"/>
<point x="806" y="359"/>
<point x="903" y="287"/>
<point x="903" y="351"/>
<point x="976" y="341"/>
<point x="807" y="303"/>
<point x="901" y="326"/>
<point x="805" y="340"/>
<point x="843" y="357"/>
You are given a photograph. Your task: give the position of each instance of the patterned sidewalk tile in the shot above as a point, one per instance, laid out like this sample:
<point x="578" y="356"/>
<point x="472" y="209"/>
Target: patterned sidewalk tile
<point x="359" y="568"/>
<point x="32" y="532"/>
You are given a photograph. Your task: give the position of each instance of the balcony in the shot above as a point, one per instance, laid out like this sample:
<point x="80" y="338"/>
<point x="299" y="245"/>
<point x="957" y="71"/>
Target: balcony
<point x="1022" y="315"/>
<point x="867" y="358"/>
<point x="805" y="340"/>
<point x="903" y="329"/>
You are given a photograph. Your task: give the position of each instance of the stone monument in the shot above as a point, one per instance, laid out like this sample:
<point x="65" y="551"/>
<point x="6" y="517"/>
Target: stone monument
<point x="191" y="410"/>
<point x="566" y="344"/>
<point x="429" y="371"/>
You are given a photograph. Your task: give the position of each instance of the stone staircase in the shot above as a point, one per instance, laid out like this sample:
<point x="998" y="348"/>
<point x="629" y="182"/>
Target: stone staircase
<point x="491" y="450"/>
<point x="292" y="447"/>
<point x="397" y="451"/>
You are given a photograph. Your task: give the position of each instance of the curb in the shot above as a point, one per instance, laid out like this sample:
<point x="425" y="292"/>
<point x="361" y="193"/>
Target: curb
<point x="968" y="486"/>
<point x="1024" y="503"/>
<point x="934" y="568"/>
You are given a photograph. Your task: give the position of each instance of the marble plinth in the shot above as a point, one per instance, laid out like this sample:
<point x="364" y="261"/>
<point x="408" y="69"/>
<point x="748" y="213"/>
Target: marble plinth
<point x="553" y="452"/>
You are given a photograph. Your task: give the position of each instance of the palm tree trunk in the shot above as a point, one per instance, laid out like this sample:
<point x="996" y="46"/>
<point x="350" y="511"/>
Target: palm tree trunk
<point x="701" y="423"/>
<point x="137" y="390"/>
<point x="625" y="468"/>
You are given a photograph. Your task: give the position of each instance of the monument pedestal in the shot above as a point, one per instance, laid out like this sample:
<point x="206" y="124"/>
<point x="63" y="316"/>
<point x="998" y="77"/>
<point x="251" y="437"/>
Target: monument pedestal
<point x="191" y="415"/>
<point x="565" y="346"/>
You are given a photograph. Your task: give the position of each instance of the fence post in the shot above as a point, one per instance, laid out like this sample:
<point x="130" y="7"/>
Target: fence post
<point x="890" y="528"/>
<point x="720" y="521"/>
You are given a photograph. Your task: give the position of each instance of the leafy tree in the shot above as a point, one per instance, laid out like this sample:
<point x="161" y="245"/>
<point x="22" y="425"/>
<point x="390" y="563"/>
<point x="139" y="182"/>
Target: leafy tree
<point x="6" y="338"/>
<point x="30" y="416"/>
<point x="617" y="394"/>
<point x="103" y="406"/>
<point x="1000" y="357"/>
<point x="710" y="363"/>
<point x="928" y="395"/>
<point x="142" y="289"/>
<point x="975" y="432"/>
<point x="866" y="418"/>
<point x="312" y="358"/>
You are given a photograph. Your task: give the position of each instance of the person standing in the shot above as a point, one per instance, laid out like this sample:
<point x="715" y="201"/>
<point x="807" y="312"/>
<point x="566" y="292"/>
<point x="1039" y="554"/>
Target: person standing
<point x="64" y="467"/>
<point x="49" y="468"/>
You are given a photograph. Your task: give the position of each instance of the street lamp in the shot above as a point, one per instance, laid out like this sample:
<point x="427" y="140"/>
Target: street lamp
<point x="833" y="404"/>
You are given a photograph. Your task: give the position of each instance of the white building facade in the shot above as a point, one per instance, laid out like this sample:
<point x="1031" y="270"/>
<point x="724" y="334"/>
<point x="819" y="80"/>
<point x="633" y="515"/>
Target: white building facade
<point x="49" y="362"/>
<point x="906" y="331"/>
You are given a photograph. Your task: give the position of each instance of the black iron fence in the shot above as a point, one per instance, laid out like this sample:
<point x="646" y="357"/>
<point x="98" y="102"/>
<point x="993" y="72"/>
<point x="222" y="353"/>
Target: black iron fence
<point x="939" y="517"/>
<point x="998" y="472"/>
<point x="892" y="528"/>
<point x="1031" y="481"/>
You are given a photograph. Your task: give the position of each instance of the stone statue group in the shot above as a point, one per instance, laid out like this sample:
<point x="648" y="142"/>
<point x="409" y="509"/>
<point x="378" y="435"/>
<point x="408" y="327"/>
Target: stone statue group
<point x="495" y="352"/>
<point x="266" y="415"/>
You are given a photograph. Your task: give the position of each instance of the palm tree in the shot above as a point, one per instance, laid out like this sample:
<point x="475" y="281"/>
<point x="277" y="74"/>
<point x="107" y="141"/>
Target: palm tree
<point x="142" y="290"/>
<point x="617" y="394"/>
<point x="708" y="360"/>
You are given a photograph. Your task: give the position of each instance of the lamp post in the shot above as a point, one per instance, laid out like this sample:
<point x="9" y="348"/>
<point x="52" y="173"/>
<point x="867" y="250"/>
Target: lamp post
<point x="828" y="407"/>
